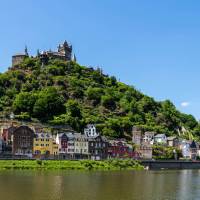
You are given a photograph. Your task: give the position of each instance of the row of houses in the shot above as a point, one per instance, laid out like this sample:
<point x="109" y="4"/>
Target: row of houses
<point x="144" y="142"/>
<point x="25" y="141"/>
<point x="28" y="141"/>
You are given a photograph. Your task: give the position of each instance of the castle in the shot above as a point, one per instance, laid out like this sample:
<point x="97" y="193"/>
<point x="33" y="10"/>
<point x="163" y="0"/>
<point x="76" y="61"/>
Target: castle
<point x="64" y="52"/>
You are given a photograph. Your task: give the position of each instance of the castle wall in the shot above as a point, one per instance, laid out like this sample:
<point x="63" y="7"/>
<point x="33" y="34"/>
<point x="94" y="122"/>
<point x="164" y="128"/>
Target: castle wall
<point x="17" y="59"/>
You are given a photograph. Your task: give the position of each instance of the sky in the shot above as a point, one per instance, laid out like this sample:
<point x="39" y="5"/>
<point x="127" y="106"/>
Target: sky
<point x="152" y="45"/>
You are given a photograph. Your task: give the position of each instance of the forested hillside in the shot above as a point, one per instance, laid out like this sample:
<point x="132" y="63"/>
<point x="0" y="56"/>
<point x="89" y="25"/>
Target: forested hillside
<point x="67" y="93"/>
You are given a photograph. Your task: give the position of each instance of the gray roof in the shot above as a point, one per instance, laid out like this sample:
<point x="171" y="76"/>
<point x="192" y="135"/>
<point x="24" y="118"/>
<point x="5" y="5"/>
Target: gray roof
<point x="160" y="135"/>
<point x="43" y="135"/>
<point x="19" y="54"/>
<point x="171" y="138"/>
<point x="193" y="145"/>
<point x="80" y="136"/>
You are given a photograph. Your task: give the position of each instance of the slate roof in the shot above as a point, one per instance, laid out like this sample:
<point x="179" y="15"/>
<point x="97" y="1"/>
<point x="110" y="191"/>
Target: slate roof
<point x="193" y="145"/>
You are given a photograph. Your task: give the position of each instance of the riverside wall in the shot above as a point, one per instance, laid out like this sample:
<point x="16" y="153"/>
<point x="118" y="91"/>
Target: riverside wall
<point x="156" y="165"/>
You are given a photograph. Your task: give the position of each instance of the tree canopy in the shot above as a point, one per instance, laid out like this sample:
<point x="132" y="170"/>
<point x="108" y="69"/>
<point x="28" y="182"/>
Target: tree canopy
<point x="69" y="94"/>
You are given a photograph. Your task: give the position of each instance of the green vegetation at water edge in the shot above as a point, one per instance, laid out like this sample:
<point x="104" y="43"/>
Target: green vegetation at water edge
<point x="65" y="93"/>
<point x="70" y="165"/>
<point x="165" y="152"/>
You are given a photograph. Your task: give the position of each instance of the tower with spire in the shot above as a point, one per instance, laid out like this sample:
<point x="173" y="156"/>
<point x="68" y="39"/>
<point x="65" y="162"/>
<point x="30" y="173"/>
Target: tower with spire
<point x="26" y="51"/>
<point x="66" y="50"/>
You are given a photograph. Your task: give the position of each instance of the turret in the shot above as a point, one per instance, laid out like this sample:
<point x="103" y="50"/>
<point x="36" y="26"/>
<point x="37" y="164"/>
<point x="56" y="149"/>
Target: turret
<point x="66" y="50"/>
<point x="18" y="58"/>
<point x="26" y="51"/>
<point x="74" y="58"/>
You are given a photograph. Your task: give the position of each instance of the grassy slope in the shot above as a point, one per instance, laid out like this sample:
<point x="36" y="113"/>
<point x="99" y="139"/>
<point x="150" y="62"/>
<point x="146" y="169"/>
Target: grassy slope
<point x="85" y="96"/>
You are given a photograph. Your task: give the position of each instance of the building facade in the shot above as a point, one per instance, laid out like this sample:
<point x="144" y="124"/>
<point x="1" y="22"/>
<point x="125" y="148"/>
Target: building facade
<point x="81" y="146"/>
<point x="98" y="148"/>
<point x="64" y="53"/>
<point x="23" y="138"/>
<point x="148" y="137"/>
<point x="62" y="140"/>
<point x="145" y="151"/>
<point x="172" y="141"/>
<point x="160" y="139"/>
<point x="90" y="131"/>
<point x="119" y="149"/>
<point x="193" y="150"/>
<point x="43" y="145"/>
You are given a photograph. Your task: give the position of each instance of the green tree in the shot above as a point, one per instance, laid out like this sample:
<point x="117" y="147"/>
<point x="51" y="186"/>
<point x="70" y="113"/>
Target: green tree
<point x="48" y="104"/>
<point x="24" y="102"/>
<point x="108" y="102"/>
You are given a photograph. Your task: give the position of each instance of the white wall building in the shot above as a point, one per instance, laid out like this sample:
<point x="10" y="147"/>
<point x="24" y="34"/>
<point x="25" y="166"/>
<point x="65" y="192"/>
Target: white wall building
<point x="90" y="131"/>
<point x="81" y="144"/>
<point x="160" y="138"/>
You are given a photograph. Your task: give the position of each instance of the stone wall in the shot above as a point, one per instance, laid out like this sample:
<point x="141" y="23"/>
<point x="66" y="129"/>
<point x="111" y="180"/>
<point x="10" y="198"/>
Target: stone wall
<point x="154" y="165"/>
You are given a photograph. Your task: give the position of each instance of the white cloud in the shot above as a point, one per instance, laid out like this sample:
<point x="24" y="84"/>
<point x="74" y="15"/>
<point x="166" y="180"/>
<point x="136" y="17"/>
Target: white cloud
<point x="185" y="104"/>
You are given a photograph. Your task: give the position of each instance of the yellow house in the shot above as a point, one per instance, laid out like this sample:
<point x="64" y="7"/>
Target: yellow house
<point x="43" y="144"/>
<point x="55" y="150"/>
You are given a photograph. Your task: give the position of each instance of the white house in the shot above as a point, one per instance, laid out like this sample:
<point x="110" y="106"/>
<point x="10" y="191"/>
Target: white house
<point x="90" y="131"/>
<point x="148" y="138"/>
<point x="185" y="148"/>
<point x="81" y="145"/>
<point x="160" y="139"/>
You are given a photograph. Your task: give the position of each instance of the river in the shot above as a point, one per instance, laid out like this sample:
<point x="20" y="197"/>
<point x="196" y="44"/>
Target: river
<point x="76" y="185"/>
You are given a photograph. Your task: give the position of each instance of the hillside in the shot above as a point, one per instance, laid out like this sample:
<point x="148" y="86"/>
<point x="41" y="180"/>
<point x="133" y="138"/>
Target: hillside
<point x="67" y="93"/>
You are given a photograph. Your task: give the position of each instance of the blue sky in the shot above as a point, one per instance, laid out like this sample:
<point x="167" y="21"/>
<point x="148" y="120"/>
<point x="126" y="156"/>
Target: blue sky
<point x="153" y="45"/>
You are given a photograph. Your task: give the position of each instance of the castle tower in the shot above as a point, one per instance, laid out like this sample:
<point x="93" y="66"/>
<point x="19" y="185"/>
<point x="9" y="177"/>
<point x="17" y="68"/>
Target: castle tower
<point x="18" y="58"/>
<point x="136" y="135"/>
<point x="66" y="50"/>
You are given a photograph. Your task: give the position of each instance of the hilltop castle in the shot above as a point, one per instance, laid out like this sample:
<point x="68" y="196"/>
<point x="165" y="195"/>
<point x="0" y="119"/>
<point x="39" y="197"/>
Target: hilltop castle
<point x="64" y="52"/>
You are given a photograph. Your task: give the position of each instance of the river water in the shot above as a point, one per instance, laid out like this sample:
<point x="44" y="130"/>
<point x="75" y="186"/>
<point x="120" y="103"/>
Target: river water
<point x="76" y="185"/>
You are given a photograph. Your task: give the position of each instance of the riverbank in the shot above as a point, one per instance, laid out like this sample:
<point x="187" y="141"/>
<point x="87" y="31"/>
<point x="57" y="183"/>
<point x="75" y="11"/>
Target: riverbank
<point x="70" y="165"/>
<point x="171" y="164"/>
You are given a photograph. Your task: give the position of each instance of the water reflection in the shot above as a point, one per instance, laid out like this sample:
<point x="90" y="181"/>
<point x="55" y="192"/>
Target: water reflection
<point x="131" y="185"/>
